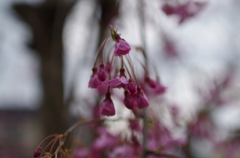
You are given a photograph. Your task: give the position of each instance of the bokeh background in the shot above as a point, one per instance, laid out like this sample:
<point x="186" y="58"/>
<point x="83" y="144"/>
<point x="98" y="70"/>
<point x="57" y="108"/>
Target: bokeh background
<point x="47" y="50"/>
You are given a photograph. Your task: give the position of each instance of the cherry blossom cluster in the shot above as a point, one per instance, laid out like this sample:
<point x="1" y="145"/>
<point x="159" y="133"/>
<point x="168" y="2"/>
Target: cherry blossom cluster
<point x="135" y="96"/>
<point x="183" y="11"/>
<point x="146" y="135"/>
<point x="105" y="144"/>
<point x="116" y="146"/>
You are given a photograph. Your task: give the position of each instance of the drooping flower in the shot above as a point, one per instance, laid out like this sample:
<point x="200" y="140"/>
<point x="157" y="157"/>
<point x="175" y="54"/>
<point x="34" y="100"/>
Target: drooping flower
<point x="120" y="81"/>
<point x="132" y="87"/>
<point x="102" y="75"/>
<point x="121" y="48"/>
<point x="94" y="81"/>
<point x="129" y="101"/>
<point x="106" y="107"/>
<point x="155" y="87"/>
<point x="142" y="100"/>
<point x="103" y="88"/>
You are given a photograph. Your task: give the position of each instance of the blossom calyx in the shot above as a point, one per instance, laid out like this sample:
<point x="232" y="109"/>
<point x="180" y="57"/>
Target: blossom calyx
<point x="114" y="34"/>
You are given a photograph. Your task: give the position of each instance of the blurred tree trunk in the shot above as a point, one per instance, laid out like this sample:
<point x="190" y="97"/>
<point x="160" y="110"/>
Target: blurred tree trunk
<point x="109" y="11"/>
<point x="46" y="21"/>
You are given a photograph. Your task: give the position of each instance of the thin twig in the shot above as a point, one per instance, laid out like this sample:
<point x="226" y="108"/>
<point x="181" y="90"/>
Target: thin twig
<point x="80" y="124"/>
<point x="99" y="49"/>
<point x="52" y="141"/>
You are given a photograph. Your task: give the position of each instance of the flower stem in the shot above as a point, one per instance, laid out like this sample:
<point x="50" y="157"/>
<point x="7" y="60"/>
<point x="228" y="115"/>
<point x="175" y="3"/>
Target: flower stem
<point x="53" y="135"/>
<point x="52" y="141"/>
<point x="99" y="49"/>
<point x="80" y="124"/>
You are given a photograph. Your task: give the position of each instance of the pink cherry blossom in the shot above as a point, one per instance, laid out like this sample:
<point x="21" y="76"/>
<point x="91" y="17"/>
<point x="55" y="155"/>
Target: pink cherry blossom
<point x="103" y="88"/>
<point x="118" y="82"/>
<point x="106" y="107"/>
<point x="94" y="82"/>
<point x="102" y="75"/>
<point x="132" y="87"/>
<point x="129" y="101"/>
<point x="121" y="48"/>
<point x="154" y="86"/>
<point x="184" y="11"/>
<point x="142" y="100"/>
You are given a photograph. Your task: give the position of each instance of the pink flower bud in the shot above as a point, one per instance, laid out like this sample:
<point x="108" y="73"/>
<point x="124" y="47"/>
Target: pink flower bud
<point x="121" y="48"/>
<point x="106" y="107"/>
<point x="94" y="82"/>
<point x="37" y="152"/>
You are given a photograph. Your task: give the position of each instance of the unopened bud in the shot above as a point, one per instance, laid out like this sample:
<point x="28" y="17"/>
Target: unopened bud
<point x="37" y="152"/>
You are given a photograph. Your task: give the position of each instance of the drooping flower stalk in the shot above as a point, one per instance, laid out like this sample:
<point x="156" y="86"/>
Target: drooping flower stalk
<point x="99" y="49"/>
